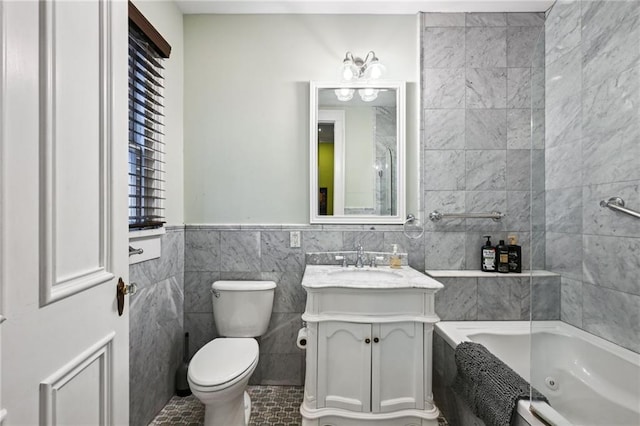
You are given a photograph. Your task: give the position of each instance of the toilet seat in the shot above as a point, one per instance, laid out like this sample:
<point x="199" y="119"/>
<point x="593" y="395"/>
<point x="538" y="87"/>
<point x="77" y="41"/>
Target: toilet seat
<point x="222" y="362"/>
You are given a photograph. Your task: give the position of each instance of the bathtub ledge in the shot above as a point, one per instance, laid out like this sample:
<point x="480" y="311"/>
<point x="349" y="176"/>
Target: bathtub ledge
<point x="479" y="274"/>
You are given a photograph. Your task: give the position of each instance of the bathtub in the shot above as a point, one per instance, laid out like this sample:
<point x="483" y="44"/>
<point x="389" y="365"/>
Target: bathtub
<point x="588" y="380"/>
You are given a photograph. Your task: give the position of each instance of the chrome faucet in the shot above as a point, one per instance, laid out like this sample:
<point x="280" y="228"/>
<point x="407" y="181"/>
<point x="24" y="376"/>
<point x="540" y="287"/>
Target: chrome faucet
<point x="359" y="256"/>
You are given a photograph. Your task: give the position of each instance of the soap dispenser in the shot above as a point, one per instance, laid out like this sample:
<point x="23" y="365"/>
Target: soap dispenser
<point x="488" y="256"/>
<point x="394" y="260"/>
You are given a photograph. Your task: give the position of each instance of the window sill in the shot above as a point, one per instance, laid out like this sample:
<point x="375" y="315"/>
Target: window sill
<point x="149" y="240"/>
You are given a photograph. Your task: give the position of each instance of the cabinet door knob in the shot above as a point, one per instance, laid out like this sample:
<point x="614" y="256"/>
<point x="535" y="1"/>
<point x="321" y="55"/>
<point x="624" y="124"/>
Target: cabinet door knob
<point x="367" y="340"/>
<point x="376" y="340"/>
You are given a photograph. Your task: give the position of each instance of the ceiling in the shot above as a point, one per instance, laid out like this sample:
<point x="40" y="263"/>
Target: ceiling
<point x="384" y="7"/>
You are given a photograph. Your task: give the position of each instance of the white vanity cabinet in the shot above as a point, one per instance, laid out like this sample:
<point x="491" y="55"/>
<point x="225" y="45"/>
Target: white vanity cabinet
<point x="370" y="367"/>
<point x="369" y="350"/>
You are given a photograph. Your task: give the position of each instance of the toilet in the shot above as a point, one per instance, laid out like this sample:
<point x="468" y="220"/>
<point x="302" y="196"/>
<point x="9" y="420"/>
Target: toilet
<point x="219" y="372"/>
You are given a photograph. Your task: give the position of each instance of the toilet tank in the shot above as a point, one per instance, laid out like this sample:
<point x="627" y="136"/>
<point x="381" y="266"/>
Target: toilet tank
<point x="242" y="308"/>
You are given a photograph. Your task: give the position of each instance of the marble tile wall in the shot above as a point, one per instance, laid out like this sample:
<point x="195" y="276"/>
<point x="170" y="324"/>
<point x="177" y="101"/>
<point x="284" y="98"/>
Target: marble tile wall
<point x="592" y="153"/>
<point x="477" y="75"/>
<point x="263" y="253"/>
<point x="498" y="299"/>
<point x="156" y="328"/>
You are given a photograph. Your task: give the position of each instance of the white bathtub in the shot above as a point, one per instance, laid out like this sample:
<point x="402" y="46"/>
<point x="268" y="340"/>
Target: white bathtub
<point x="588" y="380"/>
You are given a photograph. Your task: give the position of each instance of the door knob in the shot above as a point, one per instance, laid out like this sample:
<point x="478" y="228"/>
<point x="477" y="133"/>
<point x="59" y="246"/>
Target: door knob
<point x="367" y="340"/>
<point x="121" y="290"/>
<point x="376" y="340"/>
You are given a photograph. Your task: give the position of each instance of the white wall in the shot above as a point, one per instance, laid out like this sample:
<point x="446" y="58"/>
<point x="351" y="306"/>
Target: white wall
<point x="167" y="18"/>
<point x="246" y="105"/>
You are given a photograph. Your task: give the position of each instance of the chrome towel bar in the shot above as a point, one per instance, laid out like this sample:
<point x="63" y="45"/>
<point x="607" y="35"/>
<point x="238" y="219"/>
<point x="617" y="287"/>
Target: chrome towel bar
<point x="436" y="215"/>
<point x="617" y="203"/>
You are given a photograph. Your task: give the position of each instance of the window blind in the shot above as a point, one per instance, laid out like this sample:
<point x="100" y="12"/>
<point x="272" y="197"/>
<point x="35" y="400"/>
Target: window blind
<point x="146" y="138"/>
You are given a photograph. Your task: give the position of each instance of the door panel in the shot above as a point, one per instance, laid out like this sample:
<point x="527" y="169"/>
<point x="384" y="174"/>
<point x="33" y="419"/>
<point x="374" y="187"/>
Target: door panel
<point x="344" y="366"/>
<point x="397" y="367"/>
<point x="64" y="348"/>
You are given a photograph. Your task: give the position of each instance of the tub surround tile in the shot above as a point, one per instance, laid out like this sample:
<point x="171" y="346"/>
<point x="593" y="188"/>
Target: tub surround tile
<point x="571" y="301"/>
<point x="564" y="210"/>
<point x="485" y="129"/>
<point x="458" y="300"/>
<point x="239" y="251"/>
<point x="444" y="88"/>
<point x="518" y="211"/>
<point x="525" y="19"/>
<point x="444" y="170"/>
<point x="486" y="170"/>
<point x="564" y="77"/>
<point x="518" y="170"/>
<point x="444" y="19"/>
<point x="612" y="315"/>
<point x="538" y="128"/>
<point x="564" y="254"/>
<point x="486" y="47"/>
<point x="603" y="221"/>
<point x="609" y="262"/>
<point x="486" y="19"/>
<point x="519" y="88"/>
<point x="538" y="251"/>
<point x="485" y="201"/>
<point x="538" y="87"/>
<point x="563" y="121"/>
<point x="445" y="202"/>
<point x="486" y="88"/>
<point x="445" y="250"/>
<point x="545" y="298"/>
<point x="537" y="170"/>
<point x="520" y="45"/>
<point x="501" y="300"/>
<point x="444" y="47"/>
<point x="444" y="128"/>
<point x="563" y="166"/>
<point x="610" y="34"/>
<point x="562" y="29"/>
<point x="519" y="128"/>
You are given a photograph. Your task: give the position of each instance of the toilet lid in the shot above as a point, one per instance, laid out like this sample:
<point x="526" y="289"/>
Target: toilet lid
<point x="222" y="360"/>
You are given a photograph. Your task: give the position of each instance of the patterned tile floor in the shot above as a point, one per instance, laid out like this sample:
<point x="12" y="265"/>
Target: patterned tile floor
<point x="271" y="405"/>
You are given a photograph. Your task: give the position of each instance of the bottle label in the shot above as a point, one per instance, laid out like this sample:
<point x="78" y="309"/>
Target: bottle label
<point x="504" y="258"/>
<point x="489" y="259"/>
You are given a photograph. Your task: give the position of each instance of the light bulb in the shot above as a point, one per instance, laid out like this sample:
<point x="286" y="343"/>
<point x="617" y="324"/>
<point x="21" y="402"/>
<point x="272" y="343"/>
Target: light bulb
<point x="368" y="94"/>
<point x="344" y="94"/>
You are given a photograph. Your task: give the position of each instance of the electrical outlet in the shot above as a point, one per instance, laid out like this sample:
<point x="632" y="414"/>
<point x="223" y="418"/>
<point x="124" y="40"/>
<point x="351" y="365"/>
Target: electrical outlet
<point x="294" y="239"/>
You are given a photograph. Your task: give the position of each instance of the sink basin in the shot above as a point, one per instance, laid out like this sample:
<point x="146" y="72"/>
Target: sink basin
<point x="365" y="274"/>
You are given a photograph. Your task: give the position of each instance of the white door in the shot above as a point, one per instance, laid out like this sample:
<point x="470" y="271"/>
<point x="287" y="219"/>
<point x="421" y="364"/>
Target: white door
<point x="63" y="189"/>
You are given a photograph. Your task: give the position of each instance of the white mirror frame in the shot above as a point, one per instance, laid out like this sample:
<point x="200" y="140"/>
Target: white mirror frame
<point x="399" y="217"/>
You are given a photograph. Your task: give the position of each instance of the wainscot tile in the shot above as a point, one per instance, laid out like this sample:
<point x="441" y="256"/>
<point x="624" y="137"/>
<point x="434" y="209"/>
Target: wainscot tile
<point x="458" y="300"/>
<point x="486" y="88"/>
<point x="486" y="129"/>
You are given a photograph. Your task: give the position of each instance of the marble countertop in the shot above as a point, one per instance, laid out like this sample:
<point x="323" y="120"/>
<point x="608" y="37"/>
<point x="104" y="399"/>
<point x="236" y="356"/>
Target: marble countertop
<point x="378" y="278"/>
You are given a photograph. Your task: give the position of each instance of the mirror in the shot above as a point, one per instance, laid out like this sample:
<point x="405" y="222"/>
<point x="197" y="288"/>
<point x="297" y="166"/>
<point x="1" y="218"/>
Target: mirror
<point x="357" y="152"/>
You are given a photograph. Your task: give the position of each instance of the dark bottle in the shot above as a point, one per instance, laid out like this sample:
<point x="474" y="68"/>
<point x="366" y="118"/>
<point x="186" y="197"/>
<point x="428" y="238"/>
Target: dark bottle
<point x="502" y="255"/>
<point x="515" y="254"/>
<point x="488" y="256"/>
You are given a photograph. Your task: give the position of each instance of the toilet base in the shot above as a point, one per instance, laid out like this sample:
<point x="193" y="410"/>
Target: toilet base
<point x="235" y="412"/>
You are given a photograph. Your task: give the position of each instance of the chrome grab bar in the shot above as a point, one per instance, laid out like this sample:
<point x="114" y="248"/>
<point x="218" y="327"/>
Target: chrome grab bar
<point x="617" y="203"/>
<point x="436" y="215"/>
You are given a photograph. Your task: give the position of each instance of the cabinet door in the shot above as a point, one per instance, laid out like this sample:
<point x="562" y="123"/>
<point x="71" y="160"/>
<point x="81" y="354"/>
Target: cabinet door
<point x="344" y="366"/>
<point x="397" y="367"/>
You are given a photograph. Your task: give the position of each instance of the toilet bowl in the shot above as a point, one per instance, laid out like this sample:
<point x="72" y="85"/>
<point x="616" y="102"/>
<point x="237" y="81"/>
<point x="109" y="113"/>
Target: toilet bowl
<point x="218" y="375"/>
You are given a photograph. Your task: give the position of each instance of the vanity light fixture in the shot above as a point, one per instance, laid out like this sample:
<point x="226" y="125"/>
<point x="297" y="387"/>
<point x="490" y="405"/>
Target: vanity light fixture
<point x="354" y="67"/>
